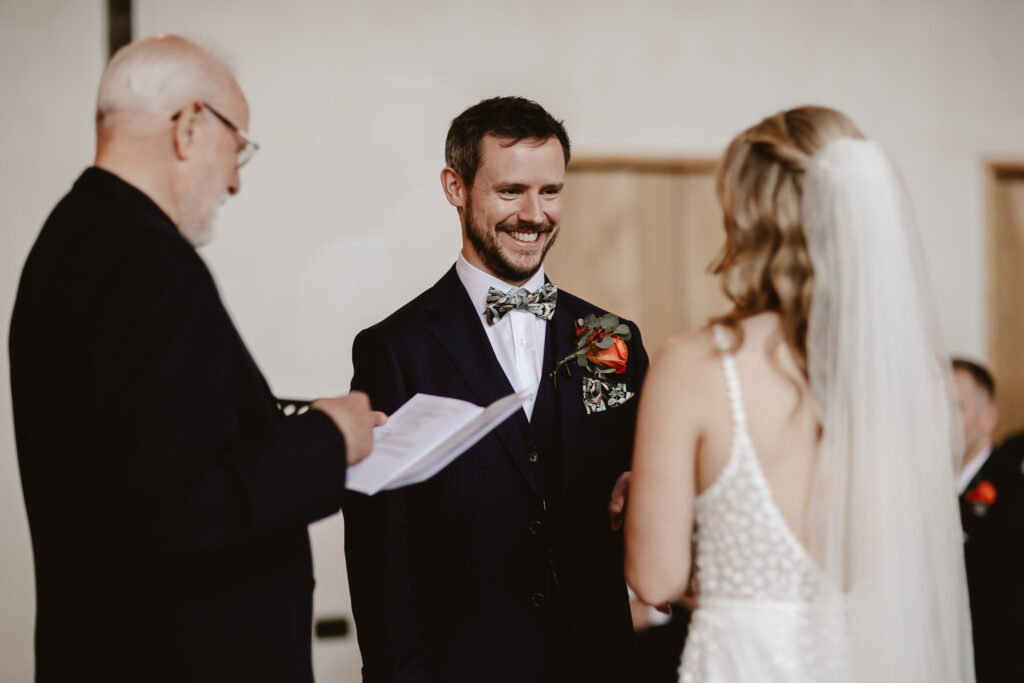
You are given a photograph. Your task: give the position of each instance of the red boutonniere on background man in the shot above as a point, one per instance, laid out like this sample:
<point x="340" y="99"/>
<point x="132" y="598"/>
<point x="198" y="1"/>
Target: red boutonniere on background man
<point x="601" y="350"/>
<point x="981" y="497"/>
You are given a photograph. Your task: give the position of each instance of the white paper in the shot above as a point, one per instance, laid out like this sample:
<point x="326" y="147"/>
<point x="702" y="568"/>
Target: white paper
<point x="423" y="437"/>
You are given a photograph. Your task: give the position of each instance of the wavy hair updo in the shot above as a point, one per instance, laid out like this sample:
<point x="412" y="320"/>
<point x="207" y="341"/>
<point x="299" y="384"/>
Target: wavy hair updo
<point x="764" y="264"/>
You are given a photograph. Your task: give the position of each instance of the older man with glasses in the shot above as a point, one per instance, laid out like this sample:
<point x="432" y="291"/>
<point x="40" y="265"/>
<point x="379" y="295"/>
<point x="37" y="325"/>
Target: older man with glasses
<point x="167" y="497"/>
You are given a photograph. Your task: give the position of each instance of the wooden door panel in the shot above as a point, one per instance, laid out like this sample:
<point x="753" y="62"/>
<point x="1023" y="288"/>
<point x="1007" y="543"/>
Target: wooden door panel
<point x="1005" y="285"/>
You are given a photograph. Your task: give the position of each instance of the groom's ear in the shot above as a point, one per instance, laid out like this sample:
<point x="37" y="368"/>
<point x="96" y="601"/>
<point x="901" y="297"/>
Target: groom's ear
<point x="454" y="189"/>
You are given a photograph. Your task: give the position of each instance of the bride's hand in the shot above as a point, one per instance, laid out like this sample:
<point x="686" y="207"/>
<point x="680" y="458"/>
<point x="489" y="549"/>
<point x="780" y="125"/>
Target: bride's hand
<point x="617" y="506"/>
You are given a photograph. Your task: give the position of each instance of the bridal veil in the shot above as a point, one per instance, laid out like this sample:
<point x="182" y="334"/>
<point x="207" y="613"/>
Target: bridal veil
<point x="884" y="520"/>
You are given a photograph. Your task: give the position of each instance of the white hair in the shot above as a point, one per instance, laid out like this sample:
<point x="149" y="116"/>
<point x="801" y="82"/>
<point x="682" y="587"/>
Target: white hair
<point x="157" y="75"/>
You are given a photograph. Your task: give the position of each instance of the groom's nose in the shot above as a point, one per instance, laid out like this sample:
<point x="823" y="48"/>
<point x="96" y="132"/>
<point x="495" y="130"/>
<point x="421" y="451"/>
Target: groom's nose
<point x="530" y="210"/>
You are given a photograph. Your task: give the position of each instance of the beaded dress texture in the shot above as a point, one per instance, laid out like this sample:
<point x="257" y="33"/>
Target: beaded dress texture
<point x="765" y="613"/>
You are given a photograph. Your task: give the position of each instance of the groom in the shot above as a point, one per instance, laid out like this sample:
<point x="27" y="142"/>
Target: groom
<point x="504" y="566"/>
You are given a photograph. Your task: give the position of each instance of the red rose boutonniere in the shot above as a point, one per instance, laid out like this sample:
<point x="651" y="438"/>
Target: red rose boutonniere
<point x="601" y="350"/>
<point x="981" y="497"/>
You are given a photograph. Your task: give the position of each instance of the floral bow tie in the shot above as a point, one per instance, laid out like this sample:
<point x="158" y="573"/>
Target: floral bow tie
<point x="541" y="303"/>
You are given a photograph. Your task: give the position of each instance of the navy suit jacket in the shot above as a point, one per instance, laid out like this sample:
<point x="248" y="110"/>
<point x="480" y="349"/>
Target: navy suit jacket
<point x="497" y="569"/>
<point x="167" y="497"/>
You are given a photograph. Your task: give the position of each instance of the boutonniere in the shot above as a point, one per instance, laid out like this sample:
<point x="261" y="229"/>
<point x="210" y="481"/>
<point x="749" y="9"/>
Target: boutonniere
<point x="600" y="350"/>
<point x="981" y="497"/>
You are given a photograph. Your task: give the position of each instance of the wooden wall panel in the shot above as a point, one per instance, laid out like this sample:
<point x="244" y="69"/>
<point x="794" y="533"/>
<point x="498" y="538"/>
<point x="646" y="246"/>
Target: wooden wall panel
<point x="658" y="295"/>
<point x="699" y="238"/>
<point x="598" y="252"/>
<point x="637" y="238"/>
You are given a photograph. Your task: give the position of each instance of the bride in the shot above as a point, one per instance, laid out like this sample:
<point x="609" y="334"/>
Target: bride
<point x="807" y="437"/>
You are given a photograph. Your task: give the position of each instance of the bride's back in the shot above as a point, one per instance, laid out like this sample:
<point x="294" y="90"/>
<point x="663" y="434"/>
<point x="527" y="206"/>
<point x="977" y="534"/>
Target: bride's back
<point x="728" y="440"/>
<point x="780" y="417"/>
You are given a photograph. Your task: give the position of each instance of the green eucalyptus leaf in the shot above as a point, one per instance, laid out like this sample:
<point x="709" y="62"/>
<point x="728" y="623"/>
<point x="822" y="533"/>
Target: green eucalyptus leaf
<point x="582" y="361"/>
<point x="622" y="330"/>
<point x="605" y="343"/>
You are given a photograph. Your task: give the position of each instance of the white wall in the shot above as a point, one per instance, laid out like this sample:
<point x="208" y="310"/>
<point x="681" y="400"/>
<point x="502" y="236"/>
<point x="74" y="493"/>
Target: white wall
<point x="341" y="218"/>
<point x="51" y="57"/>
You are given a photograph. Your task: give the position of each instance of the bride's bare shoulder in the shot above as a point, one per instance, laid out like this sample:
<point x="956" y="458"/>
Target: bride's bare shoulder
<point x="691" y="353"/>
<point x="684" y="380"/>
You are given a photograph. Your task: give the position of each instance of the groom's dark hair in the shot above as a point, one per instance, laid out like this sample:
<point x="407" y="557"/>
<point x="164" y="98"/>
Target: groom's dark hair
<point x="982" y="377"/>
<point x="511" y="118"/>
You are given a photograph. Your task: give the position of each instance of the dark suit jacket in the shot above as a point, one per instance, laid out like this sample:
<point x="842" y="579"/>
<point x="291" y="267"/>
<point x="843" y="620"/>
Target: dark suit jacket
<point x="167" y="499"/>
<point x="503" y="566"/>
<point x="994" y="556"/>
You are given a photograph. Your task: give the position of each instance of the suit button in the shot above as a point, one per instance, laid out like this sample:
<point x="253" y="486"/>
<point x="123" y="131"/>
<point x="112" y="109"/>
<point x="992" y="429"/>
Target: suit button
<point x="535" y="526"/>
<point x="533" y="456"/>
<point x="537" y="599"/>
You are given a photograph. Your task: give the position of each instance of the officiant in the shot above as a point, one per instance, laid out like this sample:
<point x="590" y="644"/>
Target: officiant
<point x="503" y="567"/>
<point x="167" y="498"/>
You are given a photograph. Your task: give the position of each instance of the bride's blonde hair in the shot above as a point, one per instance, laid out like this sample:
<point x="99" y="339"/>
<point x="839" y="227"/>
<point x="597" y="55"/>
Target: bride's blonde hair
<point x="764" y="264"/>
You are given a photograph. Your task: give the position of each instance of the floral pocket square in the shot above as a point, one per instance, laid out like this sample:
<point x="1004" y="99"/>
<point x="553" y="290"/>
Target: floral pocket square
<point x="599" y="395"/>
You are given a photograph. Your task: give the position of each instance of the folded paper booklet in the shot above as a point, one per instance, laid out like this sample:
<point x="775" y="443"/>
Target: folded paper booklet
<point x="423" y="437"/>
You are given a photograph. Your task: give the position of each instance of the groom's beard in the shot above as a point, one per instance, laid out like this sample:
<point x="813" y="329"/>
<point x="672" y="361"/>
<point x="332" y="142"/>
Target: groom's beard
<point x="495" y="257"/>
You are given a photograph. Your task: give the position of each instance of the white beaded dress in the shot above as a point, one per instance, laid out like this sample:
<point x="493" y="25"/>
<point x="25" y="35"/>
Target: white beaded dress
<point x="765" y="613"/>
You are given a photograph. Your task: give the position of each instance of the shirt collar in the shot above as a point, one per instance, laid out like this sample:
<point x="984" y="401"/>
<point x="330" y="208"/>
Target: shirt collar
<point x="478" y="282"/>
<point x="971" y="469"/>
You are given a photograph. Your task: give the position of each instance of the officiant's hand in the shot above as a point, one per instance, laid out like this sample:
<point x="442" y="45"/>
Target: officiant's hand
<point x="355" y="420"/>
<point x="617" y="506"/>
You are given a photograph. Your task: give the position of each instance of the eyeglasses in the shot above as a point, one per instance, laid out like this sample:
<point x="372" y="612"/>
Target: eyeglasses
<point x="249" y="146"/>
<point x="248" y="149"/>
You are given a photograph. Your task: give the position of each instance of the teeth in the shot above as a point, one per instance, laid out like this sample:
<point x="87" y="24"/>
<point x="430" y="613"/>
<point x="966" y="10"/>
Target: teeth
<point x="525" y="236"/>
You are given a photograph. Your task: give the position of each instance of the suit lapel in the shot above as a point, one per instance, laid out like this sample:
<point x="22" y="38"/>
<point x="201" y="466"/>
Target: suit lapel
<point x="568" y="390"/>
<point x="458" y="329"/>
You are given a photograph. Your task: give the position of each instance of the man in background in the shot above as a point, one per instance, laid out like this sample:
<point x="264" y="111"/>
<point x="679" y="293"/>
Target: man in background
<point x="991" y="490"/>
<point x="167" y="498"/>
<point x="503" y="567"/>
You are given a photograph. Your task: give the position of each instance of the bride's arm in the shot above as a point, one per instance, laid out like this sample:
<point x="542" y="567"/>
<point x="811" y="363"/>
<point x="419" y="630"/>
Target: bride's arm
<point x="659" y="516"/>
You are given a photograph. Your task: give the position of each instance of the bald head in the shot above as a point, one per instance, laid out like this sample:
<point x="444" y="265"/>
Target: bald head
<point x="168" y="116"/>
<point x="146" y="82"/>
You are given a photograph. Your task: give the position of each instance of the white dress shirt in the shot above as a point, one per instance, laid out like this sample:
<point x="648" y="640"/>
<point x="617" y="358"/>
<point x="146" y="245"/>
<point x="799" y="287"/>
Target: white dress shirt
<point x="518" y="338"/>
<point x="970" y="469"/>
